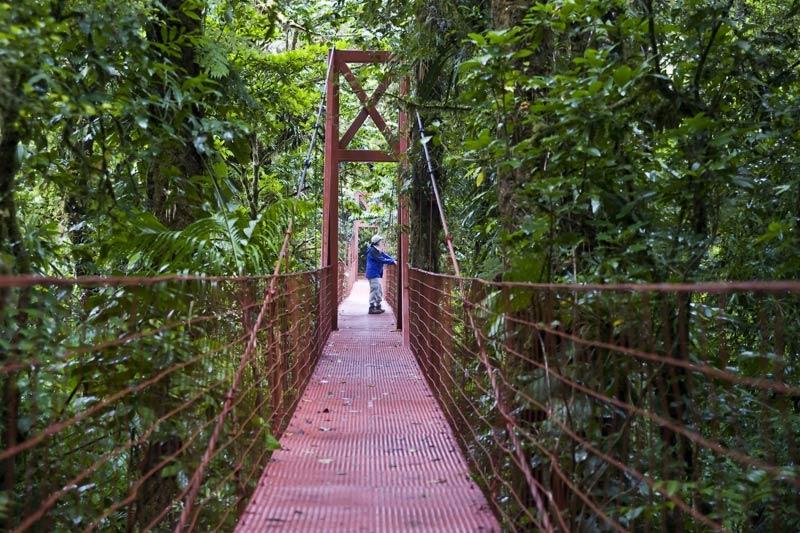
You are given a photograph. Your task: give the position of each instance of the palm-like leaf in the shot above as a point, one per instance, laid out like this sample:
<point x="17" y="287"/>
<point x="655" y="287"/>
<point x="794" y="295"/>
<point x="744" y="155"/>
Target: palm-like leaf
<point x="221" y="243"/>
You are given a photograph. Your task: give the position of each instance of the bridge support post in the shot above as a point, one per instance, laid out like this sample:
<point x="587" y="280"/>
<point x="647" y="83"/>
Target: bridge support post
<point x="336" y="151"/>
<point x="403" y="220"/>
<point x="330" y="206"/>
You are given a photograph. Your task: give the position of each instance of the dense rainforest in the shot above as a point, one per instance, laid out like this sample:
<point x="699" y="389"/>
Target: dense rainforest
<point x="574" y="141"/>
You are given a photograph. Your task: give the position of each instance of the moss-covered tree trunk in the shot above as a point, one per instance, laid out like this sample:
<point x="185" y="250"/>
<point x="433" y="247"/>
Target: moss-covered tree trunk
<point x="433" y="82"/>
<point x="171" y="181"/>
<point x="14" y="259"/>
<point x="171" y="185"/>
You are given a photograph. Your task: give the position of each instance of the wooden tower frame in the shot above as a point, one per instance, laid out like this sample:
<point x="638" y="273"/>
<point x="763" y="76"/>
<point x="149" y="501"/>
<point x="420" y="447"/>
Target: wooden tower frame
<point x="337" y="151"/>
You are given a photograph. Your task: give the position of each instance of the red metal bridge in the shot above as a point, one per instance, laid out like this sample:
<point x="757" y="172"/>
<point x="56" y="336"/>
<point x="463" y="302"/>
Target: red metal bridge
<point x="275" y="402"/>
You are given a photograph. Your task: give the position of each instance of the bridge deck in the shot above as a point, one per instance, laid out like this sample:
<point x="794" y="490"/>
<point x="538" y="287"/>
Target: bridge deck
<point x="368" y="448"/>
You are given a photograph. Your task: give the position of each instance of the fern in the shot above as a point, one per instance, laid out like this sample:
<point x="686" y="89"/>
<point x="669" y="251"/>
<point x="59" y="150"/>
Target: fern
<point x="221" y="243"/>
<point x="214" y="59"/>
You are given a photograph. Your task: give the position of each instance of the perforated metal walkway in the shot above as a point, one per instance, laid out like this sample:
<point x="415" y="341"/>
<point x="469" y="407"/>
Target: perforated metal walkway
<point x="368" y="448"/>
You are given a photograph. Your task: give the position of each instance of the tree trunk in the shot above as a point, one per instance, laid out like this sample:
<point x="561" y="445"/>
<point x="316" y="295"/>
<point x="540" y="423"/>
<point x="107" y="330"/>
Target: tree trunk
<point x="426" y="226"/>
<point x="10" y="235"/>
<point x="170" y="185"/>
<point x="169" y="181"/>
<point x="431" y="86"/>
<point x="13" y="248"/>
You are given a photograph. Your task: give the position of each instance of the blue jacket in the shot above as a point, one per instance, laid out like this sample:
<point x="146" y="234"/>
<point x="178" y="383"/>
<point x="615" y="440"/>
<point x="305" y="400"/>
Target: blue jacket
<point x="375" y="261"/>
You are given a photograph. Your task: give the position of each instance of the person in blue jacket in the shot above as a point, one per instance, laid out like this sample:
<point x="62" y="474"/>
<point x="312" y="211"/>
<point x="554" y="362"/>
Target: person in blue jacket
<point x="376" y="258"/>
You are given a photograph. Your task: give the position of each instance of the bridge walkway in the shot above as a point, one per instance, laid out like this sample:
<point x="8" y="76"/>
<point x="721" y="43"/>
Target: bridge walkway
<point x="368" y="448"/>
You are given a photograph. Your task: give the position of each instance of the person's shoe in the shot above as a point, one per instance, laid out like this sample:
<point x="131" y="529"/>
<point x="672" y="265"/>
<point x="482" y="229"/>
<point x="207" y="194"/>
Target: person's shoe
<point x="375" y="310"/>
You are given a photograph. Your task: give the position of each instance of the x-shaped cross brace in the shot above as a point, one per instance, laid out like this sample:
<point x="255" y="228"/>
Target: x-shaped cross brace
<point x="368" y="109"/>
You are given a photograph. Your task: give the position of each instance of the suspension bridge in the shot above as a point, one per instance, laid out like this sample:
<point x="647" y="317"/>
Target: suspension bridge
<point x="254" y="403"/>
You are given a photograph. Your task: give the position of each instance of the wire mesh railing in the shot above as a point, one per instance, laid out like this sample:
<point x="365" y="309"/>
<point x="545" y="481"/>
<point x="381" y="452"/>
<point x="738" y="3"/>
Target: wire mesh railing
<point x="346" y="280"/>
<point x="138" y="403"/>
<point x="390" y="293"/>
<point x="629" y="407"/>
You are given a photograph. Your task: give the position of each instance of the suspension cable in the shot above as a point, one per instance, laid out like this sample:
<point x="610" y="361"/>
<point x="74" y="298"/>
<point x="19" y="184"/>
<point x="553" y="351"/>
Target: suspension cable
<point x="435" y="188"/>
<point x="508" y="416"/>
<point x="320" y="111"/>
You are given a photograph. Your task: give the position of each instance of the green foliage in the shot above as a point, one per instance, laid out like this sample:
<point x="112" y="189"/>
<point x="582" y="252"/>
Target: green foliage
<point x="186" y="115"/>
<point x="575" y="140"/>
<point x="219" y="243"/>
<point x="606" y="140"/>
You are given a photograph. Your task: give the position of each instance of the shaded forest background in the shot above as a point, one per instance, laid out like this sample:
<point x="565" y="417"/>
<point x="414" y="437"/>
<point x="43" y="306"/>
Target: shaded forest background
<point x="588" y="140"/>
